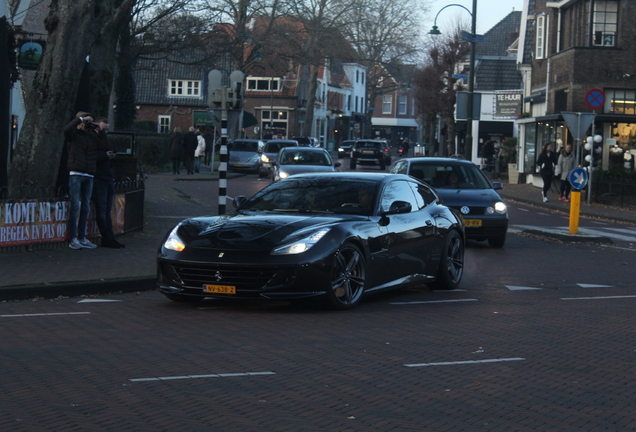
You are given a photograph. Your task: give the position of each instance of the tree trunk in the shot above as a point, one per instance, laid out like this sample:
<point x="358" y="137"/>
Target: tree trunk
<point x="311" y="100"/>
<point x="73" y="27"/>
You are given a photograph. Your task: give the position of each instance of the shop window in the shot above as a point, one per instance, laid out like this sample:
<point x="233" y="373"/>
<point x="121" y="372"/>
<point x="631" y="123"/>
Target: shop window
<point x="620" y="102"/>
<point x="605" y="22"/>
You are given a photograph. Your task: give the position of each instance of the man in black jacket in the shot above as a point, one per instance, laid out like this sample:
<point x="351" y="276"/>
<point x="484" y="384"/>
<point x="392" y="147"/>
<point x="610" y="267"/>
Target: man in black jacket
<point x="190" y="143"/>
<point x="81" y="141"/>
<point x="104" y="187"/>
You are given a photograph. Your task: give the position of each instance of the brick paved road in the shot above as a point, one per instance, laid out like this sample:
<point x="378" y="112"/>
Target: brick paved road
<point x="571" y="364"/>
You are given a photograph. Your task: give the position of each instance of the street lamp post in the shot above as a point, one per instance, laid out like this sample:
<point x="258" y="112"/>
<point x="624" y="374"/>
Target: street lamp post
<point x="468" y="148"/>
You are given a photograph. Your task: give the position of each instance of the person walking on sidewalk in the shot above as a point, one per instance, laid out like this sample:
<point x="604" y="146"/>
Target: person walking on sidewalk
<point x="176" y="149"/>
<point x="199" y="152"/>
<point x="190" y="143"/>
<point x="565" y="164"/>
<point x="104" y="187"/>
<point x="546" y="162"/>
<point x="81" y="142"/>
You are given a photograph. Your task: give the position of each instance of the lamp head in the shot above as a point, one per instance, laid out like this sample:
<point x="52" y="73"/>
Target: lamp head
<point x="435" y="31"/>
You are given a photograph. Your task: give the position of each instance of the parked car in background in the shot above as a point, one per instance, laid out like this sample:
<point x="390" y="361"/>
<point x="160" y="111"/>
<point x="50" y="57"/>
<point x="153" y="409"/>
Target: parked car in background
<point x="464" y="187"/>
<point x="306" y="141"/>
<point x="272" y="147"/>
<point x="344" y="149"/>
<point x="297" y="160"/>
<point x="245" y="155"/>
<point x="370" y="152"/>
<point x="331" y="237"/>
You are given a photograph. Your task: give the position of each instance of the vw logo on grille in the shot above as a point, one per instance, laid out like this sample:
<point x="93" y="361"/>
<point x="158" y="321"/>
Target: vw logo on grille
<point x="218" y="276"/>
<point x="465" y="210"/>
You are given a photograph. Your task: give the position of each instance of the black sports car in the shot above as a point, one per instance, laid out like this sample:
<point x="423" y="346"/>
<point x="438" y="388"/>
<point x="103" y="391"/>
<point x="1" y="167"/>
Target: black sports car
<point x="329" y="235"/>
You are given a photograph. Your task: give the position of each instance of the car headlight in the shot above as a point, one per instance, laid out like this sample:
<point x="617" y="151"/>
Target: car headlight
<point x="173" y="242"/>
<point x="282" y="174"/>
<point x="499" y="207"/>
<point x="301" y="245"/>
<point x="264" y="158"/>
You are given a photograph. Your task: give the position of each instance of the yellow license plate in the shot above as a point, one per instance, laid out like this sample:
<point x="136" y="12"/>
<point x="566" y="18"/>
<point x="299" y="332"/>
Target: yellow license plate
<point x="239" y="165"/>
<point x="367" y="151"/>
<point x="472" y="222"/>
<point x="219" y="289"/>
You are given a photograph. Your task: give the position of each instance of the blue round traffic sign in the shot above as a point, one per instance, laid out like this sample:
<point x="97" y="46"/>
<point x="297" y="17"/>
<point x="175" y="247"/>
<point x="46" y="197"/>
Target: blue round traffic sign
<point x="595" y="99"/>
<point x="578" y="178"/>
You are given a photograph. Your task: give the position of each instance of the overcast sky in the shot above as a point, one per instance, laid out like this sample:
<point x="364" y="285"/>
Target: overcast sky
<point x="489" y="12"/>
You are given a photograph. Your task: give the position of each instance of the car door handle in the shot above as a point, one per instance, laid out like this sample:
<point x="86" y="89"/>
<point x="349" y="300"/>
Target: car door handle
<point x="429" y="223"/>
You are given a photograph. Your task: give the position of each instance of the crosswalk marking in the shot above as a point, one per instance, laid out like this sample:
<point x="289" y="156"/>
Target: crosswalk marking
<point x="520" y="288"/>
<point x="582" y="285"/>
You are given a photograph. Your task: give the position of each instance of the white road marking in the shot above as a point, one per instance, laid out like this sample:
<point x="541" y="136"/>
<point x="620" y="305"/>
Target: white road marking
<point x="97" y="301"/>
<point x="521" y="288"/>
<point x="167" y="378"/>
<point x="44" y="314"/>
<point x="455" y="290"/>
<point x="525" y="210"/>
<point x="543" y="214"/>
<point x="433" y="301"/>
<point x="594" y="286"/>
<point x="598" y="298"/>
<point x="465" y="362"/>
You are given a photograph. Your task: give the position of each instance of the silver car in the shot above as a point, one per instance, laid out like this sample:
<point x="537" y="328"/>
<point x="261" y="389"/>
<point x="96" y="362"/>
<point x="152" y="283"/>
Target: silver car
<point x="272" y="147"/>
<point x="245" y="155"/>
<point x="299" y="160"/>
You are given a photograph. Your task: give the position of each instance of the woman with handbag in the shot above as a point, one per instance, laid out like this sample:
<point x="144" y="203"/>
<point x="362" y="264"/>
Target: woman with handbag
<point x="565" y="164"/>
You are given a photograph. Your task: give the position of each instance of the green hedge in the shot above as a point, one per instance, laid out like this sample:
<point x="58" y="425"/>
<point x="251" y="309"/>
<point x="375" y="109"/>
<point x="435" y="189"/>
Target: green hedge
<point x="153" y="151"/>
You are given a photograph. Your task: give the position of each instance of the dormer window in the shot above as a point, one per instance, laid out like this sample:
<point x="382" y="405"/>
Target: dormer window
<point x="184" y="88"/>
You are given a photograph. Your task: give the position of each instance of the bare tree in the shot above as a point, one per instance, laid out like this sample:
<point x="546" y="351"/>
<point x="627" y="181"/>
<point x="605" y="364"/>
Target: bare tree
<point x="73" y="28"/>
<point x="437" y="89"/>
<point x="385" y="34"/>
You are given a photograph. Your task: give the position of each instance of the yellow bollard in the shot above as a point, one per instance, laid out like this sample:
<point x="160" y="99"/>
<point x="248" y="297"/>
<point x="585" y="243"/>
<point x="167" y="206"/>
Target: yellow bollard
<point x="575" y="210"/>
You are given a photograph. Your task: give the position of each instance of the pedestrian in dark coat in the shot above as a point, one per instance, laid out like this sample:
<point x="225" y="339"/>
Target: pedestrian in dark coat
<point x="546" y="162"/>
<point x="176" y="149"/>
<point x="190" y="143"/>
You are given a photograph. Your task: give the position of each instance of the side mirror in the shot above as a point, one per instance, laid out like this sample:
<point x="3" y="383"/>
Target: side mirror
<point x="398" y="207"/>
<point x="497" y="185"/>
<point x="239" y="201"/>
<point x="337" y="164"/>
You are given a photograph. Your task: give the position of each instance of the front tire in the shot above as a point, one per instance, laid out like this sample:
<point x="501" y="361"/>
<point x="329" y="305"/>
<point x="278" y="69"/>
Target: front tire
<point x="451" y="266"/>
<point x="348" y="276"/>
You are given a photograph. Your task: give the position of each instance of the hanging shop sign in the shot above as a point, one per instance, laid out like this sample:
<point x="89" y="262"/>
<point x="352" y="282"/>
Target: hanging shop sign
<point x="30" y="53"/>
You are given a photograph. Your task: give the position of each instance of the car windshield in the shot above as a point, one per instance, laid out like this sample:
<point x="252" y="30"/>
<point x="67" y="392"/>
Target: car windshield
<point x="302" y="157"/>
<point x="324" y="195"/>
<point x="245" y="146"/>
<point x="450" y="176"/>
<point x="274" y="147"/>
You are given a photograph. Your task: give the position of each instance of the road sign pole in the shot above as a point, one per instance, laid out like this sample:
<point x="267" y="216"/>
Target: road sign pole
<point x="575" y="210"/>
<point x="223" y="155"/>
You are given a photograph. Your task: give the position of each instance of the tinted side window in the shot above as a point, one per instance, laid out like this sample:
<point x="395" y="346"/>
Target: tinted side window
<point x="398" y="191"/>
<point x="399" y="168"/>
<point x="424" y="195"/>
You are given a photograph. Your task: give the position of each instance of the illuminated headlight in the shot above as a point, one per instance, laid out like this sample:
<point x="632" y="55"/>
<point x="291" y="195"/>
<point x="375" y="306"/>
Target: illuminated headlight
<point x="282" y="174"/>
<point x="301" y="245"/>
<point x="264" y="158"/>
<point x="174" y="242"/>
<point x="499" y="207"/>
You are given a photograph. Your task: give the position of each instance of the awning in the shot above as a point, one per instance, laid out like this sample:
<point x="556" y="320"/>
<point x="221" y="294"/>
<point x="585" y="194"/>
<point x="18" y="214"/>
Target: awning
<point x="360" y="118"/>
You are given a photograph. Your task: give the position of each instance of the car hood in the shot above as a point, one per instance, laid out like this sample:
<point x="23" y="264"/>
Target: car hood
<point x="252" y="231"/>
<point x="469" y="197"/>
<point x="240" y="156"/>
<point x="298" y="169"/>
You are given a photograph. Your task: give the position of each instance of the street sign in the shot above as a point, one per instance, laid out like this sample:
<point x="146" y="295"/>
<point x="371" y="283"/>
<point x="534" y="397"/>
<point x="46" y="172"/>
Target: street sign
<point x="578" y="123"/>
<point x="468" y="37"/>
<point x="578" y="178"/>
<point x="595" y="99"/>
<point x="460" y="76"/>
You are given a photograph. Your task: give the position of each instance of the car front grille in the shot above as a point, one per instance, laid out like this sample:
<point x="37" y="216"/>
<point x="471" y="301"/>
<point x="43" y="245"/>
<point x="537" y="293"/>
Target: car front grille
<point x="474" y="211"/>
<point x="245" y="278"/>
